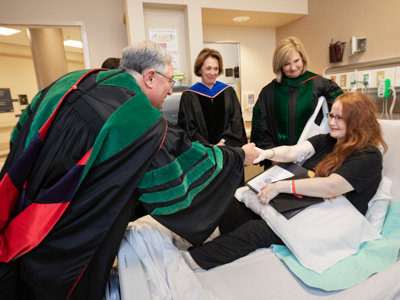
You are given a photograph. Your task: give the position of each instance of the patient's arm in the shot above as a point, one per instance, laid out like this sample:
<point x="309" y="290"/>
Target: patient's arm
<point x="324" y="187"/>
<point x="293" y="153"/>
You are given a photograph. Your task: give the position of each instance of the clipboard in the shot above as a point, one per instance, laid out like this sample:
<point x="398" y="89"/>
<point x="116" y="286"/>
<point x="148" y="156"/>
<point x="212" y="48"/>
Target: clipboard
<point x="286" y="204"/>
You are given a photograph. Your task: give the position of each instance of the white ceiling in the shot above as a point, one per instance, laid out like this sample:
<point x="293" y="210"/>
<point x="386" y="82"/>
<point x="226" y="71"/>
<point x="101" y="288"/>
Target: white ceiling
<point x="224" y="17"/>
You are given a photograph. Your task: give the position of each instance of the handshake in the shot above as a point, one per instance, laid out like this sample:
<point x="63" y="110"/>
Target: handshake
<point x="252" y="154"/>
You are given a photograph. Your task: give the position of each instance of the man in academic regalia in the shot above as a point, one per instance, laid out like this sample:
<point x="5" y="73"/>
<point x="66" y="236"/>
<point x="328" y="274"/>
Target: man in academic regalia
<point x="89" y="150"/>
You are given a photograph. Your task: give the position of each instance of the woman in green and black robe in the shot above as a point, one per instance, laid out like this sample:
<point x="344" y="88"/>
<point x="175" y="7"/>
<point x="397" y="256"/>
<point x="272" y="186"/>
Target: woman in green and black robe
<point x="285" y="105"/>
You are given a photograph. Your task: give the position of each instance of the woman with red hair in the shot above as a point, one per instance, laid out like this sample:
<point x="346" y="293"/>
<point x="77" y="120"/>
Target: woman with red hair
<point x="346" y="161"/>
<point x="347" y="157"/>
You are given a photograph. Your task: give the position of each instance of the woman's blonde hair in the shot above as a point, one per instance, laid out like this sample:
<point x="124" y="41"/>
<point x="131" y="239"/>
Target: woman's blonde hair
<point x="362" y="130"/>
<point x="284" y="52"/>
<point x="203" y="55"/>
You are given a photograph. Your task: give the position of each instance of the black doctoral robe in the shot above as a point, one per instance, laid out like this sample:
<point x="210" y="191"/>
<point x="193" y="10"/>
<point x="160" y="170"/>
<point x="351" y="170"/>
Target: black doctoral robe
<point x="75" y="173"/>
<point x="207" y="121"/>
<point x="283" y="109"/>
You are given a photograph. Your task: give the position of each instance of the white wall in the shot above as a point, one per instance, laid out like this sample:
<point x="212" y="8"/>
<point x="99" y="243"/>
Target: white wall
<point x="377" y="21"/>
<point x="142" y="14"/>
<point x="256" y="48"/>
<point x="170" y="19"/>
<point x="257" y="44"/>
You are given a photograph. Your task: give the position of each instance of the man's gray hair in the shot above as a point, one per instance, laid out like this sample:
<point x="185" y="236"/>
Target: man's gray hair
<point x="145" y="55"/>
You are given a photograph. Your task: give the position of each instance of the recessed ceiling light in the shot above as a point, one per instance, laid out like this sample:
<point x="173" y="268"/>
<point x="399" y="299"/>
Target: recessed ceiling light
<point x="241" y="19"/>
<point x="73" y="43"/>
<point x="8" y="31"/>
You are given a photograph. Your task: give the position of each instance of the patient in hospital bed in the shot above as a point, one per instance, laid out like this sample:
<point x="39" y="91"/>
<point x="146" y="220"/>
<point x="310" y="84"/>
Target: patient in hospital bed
<point x="348" y="161"/>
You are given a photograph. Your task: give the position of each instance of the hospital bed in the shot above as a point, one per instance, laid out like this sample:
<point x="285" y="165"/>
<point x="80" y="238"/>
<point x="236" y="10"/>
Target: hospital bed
<point x="156" y="270"/>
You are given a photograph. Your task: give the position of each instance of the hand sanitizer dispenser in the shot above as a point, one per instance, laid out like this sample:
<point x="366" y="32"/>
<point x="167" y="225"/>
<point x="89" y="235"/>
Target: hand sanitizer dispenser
<point x="383" y="88"/>
<point x="248" y="101"/>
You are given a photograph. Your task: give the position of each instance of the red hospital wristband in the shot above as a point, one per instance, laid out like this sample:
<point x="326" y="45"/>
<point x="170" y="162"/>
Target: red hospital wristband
<point x="294" y="190"/>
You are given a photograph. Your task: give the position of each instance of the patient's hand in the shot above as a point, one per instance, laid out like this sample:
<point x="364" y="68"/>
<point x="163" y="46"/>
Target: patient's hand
<point x="251" y="153"/>
<point x="268" y="192"/>
<point x="264" y="154"/>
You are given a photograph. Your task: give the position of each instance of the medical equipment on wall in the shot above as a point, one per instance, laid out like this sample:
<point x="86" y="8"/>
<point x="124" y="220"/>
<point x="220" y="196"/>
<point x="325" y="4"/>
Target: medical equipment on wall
<point x="248" y="101"/>
<point x="357" y="45"/>
<point x="353" y="45"/>
<point x="170" y="107"/>
<point x="383" y="90"/>
<point x="353" y="88"/>
<point x="336" y="51"/>
<point x="364" y="83"/>
<point x="247" y="104"/>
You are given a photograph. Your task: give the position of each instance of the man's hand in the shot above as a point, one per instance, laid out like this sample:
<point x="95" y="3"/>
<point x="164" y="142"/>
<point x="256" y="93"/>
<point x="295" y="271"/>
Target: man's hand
<point x="251" y="153"/>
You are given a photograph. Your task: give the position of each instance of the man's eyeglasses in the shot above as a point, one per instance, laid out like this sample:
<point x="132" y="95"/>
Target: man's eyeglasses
<point x="336" y="118"/>
<point x="171" y="81"/>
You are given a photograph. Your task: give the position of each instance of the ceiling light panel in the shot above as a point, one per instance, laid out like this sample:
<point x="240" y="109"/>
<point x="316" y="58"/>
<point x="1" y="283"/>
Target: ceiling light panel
<point x="8" y="31"/>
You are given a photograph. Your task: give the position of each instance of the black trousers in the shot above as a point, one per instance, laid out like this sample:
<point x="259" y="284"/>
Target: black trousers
<point x="242" y="232"/>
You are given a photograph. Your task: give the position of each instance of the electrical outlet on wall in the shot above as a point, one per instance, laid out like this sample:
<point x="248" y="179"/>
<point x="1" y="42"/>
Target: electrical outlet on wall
<point x="342" y="80"/>
<point x="397" y="77"/>
<point x="379" y="76"/>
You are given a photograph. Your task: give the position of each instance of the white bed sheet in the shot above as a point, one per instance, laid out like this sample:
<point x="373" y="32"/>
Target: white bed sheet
<point x="261" y="275"/>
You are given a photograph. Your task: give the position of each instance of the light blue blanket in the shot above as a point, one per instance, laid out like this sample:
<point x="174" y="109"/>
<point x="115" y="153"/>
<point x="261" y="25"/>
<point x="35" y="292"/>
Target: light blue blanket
<point x="373" y="256"/>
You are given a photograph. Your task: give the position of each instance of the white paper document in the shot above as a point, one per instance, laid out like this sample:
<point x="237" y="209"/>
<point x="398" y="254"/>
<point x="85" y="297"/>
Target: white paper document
<point x="273" y="174"/>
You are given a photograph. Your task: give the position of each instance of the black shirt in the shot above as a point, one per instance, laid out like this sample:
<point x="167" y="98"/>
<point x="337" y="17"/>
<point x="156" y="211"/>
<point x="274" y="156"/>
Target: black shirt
<point x="362" y="169"/>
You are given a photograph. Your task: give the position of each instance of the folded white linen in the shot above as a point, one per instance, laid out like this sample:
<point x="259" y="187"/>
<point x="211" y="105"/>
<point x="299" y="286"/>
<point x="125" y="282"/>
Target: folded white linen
<point x="168" y="274"/>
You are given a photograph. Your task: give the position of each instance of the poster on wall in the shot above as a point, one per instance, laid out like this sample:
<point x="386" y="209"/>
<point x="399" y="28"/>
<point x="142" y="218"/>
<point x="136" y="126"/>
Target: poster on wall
<point x="165" y="37"/>
<point x="175" y="62"/>
<point x="5" y="101"/>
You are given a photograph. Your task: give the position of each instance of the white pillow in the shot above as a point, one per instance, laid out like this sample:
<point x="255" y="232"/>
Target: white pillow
<point x="379" y="204"/>
<point x="320" y="235"/>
